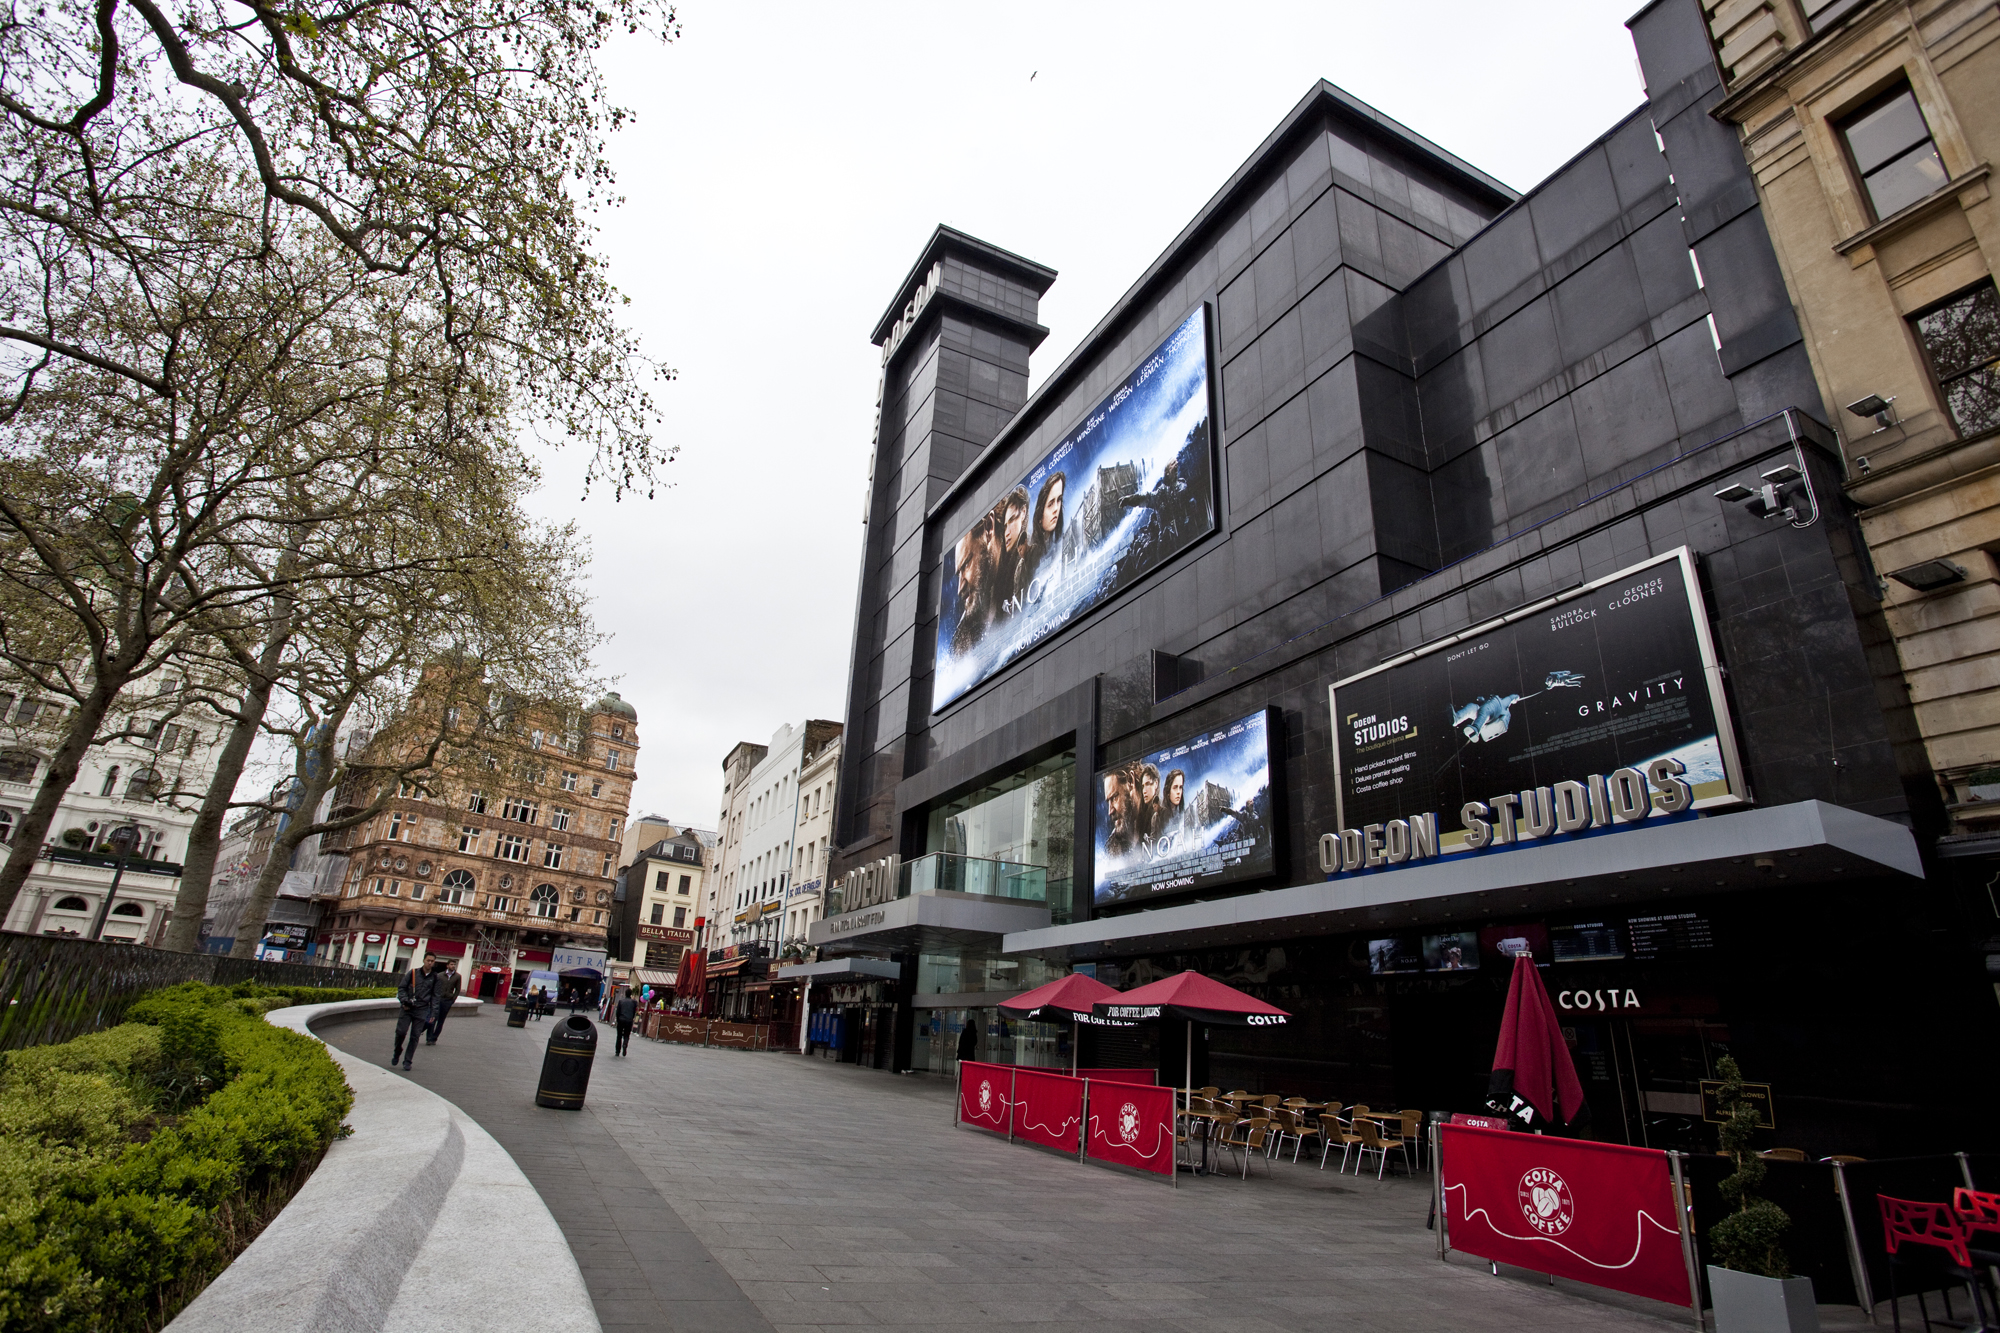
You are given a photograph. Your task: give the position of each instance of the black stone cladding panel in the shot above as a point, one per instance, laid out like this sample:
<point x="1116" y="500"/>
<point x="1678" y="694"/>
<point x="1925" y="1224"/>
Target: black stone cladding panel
<point x="1434" y="403"/>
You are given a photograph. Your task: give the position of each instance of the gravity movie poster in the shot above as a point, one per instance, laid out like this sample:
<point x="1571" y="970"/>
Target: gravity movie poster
<point x="1187" y="816"/>
<point x="1612" y="676"/>
<point x="1126" y="491"/>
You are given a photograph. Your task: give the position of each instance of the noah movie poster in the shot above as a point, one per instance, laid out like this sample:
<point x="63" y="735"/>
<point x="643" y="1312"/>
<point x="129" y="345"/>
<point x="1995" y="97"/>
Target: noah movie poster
<point x="1125" y="491"/>
<point x="1192" y="814"/>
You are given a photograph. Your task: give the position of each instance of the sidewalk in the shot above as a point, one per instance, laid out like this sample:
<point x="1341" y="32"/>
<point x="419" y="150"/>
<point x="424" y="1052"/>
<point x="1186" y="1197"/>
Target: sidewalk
<point x="727" y="1190"/>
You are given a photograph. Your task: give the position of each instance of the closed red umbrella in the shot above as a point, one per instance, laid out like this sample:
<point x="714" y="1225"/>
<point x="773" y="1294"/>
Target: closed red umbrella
<point x="1534" y="1078"/>
<point x="1068" y="996"/>
<point x="1197" y="999"/>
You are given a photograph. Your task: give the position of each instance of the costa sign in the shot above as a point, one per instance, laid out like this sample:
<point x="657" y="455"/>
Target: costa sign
<point x="1597" y="1001"/>
<point x="1598" y="708"/>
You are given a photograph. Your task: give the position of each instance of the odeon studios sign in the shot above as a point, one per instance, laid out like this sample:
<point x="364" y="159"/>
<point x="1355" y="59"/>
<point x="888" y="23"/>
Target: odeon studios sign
<point x="1624" y="796"/>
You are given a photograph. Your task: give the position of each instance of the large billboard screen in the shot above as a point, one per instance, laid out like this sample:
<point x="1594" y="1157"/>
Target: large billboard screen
<point x="1533" y="711"/>
<point x="1190" y="815"/>
<point x="1125" y="491"/>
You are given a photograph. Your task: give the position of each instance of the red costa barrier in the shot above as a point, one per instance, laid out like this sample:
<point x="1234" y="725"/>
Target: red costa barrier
<point x="985" y="1092"/>
<point x="1600" y="1213"/>
<point x="1147" y="1077"/>
<point x="1047" y="1108"/>
<point x="1132" y="1125"/>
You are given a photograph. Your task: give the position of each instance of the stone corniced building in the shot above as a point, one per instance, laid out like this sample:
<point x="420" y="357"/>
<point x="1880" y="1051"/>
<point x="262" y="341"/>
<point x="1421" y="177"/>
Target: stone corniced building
<point x="496" y="871"/>
<point x="1870" y="128"/>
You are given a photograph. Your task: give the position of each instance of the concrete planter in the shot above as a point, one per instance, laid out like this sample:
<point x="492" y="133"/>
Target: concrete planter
<point x="1747" y="1303"/>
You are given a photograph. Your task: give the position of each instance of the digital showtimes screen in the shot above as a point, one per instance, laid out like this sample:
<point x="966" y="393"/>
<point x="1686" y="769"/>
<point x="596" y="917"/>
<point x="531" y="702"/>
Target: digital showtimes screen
<point x="1193" y="814"/>
<point x="1125" y="491"/>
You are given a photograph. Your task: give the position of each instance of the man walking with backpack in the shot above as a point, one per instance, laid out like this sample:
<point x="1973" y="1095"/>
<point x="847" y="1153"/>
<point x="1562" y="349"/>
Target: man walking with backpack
<point x="415" y="994"/>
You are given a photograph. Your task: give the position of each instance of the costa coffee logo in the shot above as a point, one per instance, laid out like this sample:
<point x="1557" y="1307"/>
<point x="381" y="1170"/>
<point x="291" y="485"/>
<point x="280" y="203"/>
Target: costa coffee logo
<point x="1128" y="1123"/>
<point x="1545" y="1201"/>
<point x="985" y="1097"/>
<point x="1265" y="1020"/>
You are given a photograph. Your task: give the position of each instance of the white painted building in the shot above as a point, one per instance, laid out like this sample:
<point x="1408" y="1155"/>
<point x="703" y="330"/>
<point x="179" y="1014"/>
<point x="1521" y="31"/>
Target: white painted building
<point x="812" y="843"/>
<point x="760" y="821"/>
<point x="145" y="788"/>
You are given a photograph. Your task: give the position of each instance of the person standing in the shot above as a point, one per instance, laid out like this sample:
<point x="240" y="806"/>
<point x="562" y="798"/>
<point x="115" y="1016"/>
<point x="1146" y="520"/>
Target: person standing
<point x="444" y="997"/>
<point x="626" y="1010"/>
<point x="415" y="994"/>
<point x="968" y="1039"/>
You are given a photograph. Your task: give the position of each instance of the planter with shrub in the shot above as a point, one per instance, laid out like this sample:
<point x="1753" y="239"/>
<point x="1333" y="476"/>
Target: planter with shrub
<point x="137" y="1161"/>
<point x="1751" y="1281"/>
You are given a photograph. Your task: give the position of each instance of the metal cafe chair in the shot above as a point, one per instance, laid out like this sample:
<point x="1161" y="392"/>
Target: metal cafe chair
<point x="1935" y="1225"/>
<point x="1372" y="1141"/>
<point x="1302" y="1128"/>
<point x="1247" y="1138"/>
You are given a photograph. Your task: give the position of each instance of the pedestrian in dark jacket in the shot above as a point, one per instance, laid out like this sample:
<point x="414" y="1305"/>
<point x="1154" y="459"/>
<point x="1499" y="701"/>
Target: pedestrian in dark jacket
<point x="627" y="1009"/>
<point x="968" y="1041"/>
<point x="415" y="994"/>
<point x="448" y="984"/>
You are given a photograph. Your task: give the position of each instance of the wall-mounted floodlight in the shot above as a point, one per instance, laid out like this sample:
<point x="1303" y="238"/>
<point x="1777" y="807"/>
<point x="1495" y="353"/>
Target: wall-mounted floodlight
<point x="1876" y="406"/>
<point x="1930" y="575"/>
<point x="1771" y="500"/>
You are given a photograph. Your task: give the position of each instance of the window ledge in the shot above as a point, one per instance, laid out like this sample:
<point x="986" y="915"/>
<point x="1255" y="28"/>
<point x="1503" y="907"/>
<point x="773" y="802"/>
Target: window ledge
<point x="1911" y="214"/>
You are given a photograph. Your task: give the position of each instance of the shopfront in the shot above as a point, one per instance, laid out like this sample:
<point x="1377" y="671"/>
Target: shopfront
<point x="1346" y="616"/>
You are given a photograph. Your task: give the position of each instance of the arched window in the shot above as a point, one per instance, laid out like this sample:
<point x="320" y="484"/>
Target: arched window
<point x="456" y="888"/>
<point x="110" y="782"/>
<point x="128" y="909"/>
<point x="141" y="787"/>
<point x="545" y="900"/>
<point x="18" y="765"/>
<point x="72" y="904"/>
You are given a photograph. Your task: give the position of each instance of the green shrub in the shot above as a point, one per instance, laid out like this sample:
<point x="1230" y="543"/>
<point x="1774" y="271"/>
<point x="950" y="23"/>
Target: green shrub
<point x="1747" y="1239"/>
<point x="131" y="1159"/>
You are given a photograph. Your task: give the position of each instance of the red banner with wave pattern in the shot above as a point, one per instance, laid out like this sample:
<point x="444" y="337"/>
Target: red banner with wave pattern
<point x="1132" y="1126"/>
<point x="985" y="1092"/>
<point x="1047" y="1108"/>
<point x="1600" y="1213"/>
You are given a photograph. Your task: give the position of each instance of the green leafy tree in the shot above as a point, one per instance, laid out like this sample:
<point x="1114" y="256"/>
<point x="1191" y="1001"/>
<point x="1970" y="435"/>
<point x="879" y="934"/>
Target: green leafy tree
<point x="1748" y="1239"/>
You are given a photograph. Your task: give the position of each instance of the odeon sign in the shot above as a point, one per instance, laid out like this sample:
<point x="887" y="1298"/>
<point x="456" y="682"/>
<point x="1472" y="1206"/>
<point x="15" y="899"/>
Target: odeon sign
<point x="1626" y="796"/>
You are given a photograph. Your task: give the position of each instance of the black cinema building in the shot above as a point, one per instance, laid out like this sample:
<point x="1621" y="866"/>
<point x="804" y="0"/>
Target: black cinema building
<point x="1356" y="608"/>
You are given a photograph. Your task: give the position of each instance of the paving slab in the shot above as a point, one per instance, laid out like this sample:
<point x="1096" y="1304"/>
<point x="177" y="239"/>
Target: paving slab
<point x="759" y="1191"/>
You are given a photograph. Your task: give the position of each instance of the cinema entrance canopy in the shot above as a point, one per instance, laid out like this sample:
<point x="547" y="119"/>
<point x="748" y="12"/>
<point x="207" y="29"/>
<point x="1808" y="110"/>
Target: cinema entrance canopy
<point x="1789" y="846"/>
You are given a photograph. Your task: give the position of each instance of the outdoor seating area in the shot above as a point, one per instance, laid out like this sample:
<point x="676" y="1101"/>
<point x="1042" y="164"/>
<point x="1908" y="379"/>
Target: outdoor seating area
<point x="1245" y="1125"/>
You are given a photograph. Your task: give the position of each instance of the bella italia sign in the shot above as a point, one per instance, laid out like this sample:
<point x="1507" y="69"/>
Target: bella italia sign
<point x="1598" y="708"/>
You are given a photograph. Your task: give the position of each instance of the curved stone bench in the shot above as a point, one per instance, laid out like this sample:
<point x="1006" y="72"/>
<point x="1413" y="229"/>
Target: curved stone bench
<point x="417" y="1223"/>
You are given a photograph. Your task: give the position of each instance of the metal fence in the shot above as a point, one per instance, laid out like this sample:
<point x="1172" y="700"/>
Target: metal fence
<point x="53" y="989"/>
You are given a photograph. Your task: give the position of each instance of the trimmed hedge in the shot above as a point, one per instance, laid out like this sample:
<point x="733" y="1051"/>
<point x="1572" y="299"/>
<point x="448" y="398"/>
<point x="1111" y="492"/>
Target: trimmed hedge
<point x="136" y="1162"/>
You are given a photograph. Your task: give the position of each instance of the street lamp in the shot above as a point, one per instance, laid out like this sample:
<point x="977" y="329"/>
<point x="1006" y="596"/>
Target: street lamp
<point x="124" y="839"/>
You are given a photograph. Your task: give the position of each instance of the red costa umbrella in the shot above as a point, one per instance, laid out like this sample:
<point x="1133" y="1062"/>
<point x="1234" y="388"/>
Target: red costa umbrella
<point x="1197" y="999"/>
<point x="1534" y="1078"/>
<point x="1072" y="997"/>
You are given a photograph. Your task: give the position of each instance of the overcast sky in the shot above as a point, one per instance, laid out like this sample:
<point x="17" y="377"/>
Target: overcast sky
<point x="788" y="163"/>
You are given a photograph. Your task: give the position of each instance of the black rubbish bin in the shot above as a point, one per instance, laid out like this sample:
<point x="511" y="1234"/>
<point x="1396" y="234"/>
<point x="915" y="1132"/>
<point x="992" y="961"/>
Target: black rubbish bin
<point x="566" y="1067"/>
<point x="517" y="1011"/>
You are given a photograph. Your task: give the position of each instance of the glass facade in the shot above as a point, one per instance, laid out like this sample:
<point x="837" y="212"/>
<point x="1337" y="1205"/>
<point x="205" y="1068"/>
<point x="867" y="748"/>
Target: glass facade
<point x="1025" y="820"/>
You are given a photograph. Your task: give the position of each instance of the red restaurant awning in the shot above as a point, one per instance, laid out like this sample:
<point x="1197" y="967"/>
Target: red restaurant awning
<point x="1197" y="998"/>
<point x="1072" y="995"/>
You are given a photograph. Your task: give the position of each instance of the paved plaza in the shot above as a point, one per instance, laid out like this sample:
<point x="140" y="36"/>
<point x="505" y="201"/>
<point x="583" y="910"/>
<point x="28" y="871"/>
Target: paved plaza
<point x="724" y="1190"/>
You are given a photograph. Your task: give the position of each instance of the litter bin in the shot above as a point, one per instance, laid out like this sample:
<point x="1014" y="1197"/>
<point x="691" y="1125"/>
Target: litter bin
<point x="517" y="1011"/>
<point x="566" y="1067"/>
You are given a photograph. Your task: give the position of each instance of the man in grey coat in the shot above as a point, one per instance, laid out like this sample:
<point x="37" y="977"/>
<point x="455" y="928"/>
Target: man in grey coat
<point x="415" y="994"/>
<point x="448" y="984"/>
